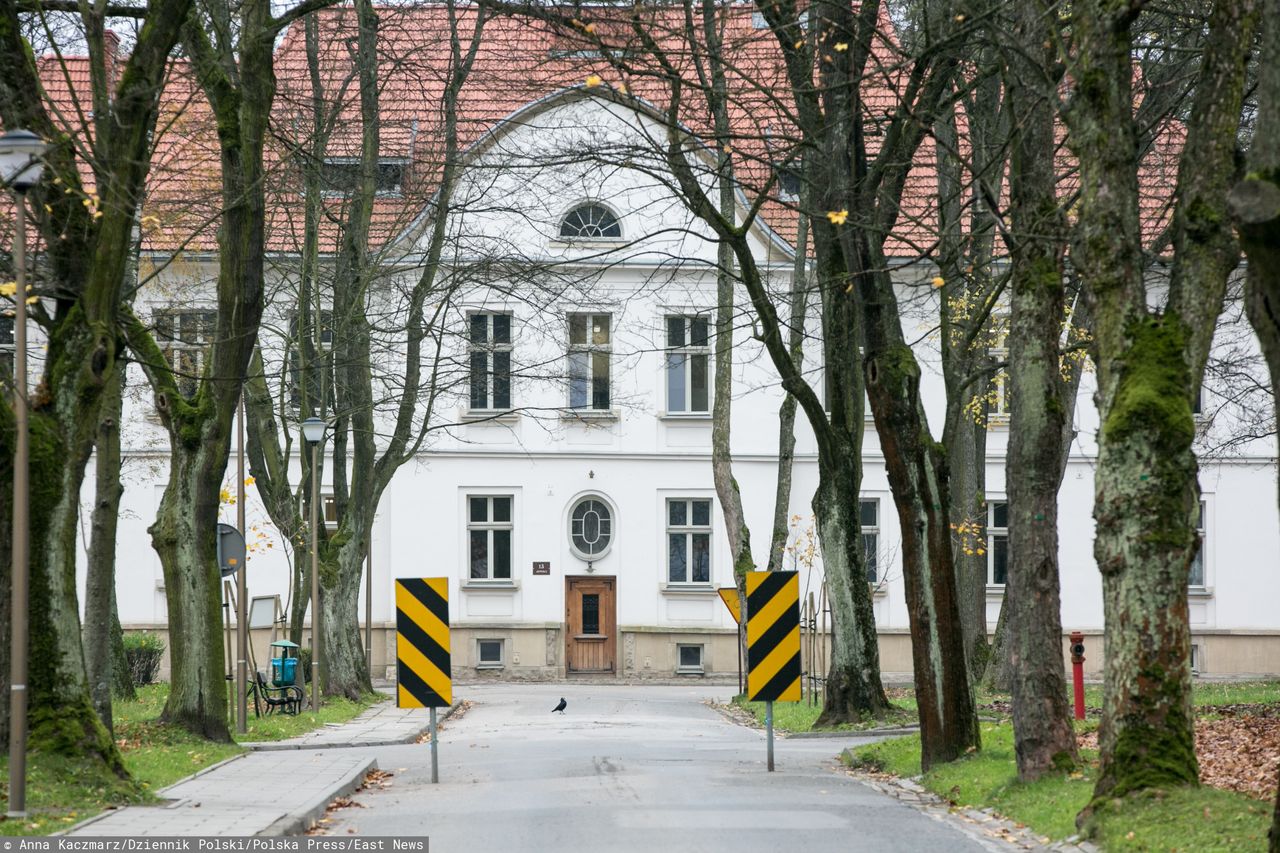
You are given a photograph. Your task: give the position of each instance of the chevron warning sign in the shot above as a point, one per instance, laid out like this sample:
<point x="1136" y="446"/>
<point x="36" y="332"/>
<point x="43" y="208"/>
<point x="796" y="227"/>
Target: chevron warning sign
<point x="773" y="636"/>
<point x="422" y="643"/>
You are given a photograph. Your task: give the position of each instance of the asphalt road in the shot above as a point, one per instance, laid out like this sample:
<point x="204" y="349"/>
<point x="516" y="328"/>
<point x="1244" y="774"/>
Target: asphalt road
<point x="627" y="768"/>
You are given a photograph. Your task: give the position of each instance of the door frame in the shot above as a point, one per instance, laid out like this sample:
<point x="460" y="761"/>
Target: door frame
<point x="613" y="612"/>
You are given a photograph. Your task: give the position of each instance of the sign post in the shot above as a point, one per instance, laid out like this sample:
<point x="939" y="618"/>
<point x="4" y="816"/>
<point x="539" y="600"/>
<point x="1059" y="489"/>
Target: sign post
<point x="423" y="672"/>
<point x="773" y="642"/>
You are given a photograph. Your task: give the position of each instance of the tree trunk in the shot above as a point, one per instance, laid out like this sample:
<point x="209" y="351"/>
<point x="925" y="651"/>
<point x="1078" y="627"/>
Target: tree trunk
<point x="1149" y="369"/>
<point x="1044" y="738"/>
<point x="86" y="255"/>
<point x="966" y="447"/>
<point x="998" y="677"/>
<point x="1255" y="206"/>
<point x="917" y="473"/>
<point x="121" y="678"/>
<point x="345" y="670"/>
<point x="787" y="411"/>
<point x="100" y="581"/>
<point x="185" y="536"/>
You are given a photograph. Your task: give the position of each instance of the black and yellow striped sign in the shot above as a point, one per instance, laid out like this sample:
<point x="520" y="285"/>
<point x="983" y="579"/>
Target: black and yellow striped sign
<point x="422" y="643"/>
<point x="773" y="636"/>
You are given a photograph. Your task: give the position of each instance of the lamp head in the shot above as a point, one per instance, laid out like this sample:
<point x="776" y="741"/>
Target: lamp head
<point x="313" y="430"/>
<point x="21" y="163"/>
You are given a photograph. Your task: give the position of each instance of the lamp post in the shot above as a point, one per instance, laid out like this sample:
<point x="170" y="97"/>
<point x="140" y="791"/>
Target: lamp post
<point x="313" y="432"/>
<point x="20" y="168"/>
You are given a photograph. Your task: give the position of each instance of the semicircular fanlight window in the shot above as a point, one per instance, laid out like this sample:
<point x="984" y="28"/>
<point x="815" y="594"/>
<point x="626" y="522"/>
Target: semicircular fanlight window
<point x="590" y="221"/>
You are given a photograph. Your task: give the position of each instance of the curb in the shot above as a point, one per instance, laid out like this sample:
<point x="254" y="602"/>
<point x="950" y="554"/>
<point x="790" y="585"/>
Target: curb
<point x="1000" y="834"/>
<point x="852" y="733"/>
<point x="302" y="820"/>
<point x="279" y="745"/>
<point x="166" y="804"/>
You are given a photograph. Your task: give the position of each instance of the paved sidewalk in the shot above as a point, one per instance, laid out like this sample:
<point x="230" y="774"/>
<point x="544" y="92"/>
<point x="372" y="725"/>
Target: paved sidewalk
<point x="278" y="788"/>
<point x="381" y="725"/>
<point x="259" y="793"/>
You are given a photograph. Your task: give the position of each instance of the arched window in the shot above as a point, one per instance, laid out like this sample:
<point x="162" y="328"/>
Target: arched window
<point x="590" y="221"/>
<point x="591" y="528"/>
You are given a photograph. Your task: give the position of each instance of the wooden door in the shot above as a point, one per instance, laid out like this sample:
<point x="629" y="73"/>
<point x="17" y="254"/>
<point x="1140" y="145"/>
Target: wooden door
<point x="591" y="623"/>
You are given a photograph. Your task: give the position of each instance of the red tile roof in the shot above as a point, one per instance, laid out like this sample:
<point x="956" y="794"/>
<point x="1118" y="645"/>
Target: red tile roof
<point x="518" y="62"/>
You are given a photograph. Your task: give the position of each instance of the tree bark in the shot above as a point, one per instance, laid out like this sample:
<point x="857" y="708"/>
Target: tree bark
<point x="184" y="534"/>
<point x="1149" y="369"/>
<point x="1044" y="738"/>
<point x="1255" y="206"/>
<point x="787" y="411"/>
<point x="100" y="581"/>
<point x="87" y="256"/>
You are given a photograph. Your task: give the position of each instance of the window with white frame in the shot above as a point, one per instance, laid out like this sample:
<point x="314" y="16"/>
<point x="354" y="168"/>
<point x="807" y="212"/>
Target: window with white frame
<point x="998" y="398"/>
<point x="490" y="361"/>
<point x="185" y="337"/>
<point x="591" y="222"/>
<point x="869" y="519"/>
<point x="591" y="528"/>
<point x="330" y="509"/>
<point x="689" y="540"/>
<point x="590" y="348"/>
<point x="1196" y="576"/>
<point x="687" y="362"/>
<point x="489" y="654"/>
<point x="489" y="527"/>
<point x="689" y="658"/>
<point x="997" y="543"/>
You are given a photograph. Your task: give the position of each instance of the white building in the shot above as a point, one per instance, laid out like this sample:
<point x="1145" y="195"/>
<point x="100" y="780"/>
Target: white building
<point x="572" y="507"/>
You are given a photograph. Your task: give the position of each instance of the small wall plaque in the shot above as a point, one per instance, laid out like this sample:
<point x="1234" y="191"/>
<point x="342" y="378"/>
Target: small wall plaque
<point x="542" y="568"/>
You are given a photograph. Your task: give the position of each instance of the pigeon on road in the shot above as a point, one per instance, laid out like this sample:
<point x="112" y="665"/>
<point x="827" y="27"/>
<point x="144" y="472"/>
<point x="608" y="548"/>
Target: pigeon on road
<point x="560" y="707"/>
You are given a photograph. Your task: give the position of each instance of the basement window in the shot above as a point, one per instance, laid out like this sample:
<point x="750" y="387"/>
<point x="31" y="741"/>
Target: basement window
<point x="689" y="659"/>
<point x="489" y="654"/>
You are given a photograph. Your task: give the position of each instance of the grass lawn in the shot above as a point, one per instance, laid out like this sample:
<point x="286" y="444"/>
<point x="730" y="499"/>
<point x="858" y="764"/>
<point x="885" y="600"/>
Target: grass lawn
<point x="62" y="792"/>
<point x="800" y="716"/>
<point x="1200" y="819"/>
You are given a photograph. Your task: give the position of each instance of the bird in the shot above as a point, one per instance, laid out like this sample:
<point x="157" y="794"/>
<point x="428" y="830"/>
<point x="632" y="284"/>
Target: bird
<point x="560" y="707"/>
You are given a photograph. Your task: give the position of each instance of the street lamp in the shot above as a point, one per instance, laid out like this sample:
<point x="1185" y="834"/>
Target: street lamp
<point x="313" y="432"/>
<point x="20" y="170"/>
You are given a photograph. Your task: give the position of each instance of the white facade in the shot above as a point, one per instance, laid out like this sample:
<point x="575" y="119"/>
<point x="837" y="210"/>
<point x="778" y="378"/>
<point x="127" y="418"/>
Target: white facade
<point x="641" y="450"/>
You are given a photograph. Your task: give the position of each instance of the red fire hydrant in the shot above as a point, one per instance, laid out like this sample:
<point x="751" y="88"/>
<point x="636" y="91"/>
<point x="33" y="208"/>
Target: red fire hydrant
<point x="1077" y="671"/>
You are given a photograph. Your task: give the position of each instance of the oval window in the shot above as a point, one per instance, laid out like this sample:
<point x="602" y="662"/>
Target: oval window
<point x="591" y="528"/>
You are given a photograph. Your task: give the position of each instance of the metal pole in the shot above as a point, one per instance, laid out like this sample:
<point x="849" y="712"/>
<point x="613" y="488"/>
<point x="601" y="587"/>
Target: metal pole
<point x="435" y="755"/>
<point x="242" y="600"/>
<point x="315" y="579"/>
<point x="768" y="728"/>
<point x="21" y="547"/>
<point x="368" y="606"/>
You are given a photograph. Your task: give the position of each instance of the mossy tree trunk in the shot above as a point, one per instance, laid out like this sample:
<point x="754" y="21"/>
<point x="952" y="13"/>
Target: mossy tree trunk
<point x="100" y="620"/>
<point x="1255" y="206"/>
<point x="87" y="256"/>
<point x="1043" y="735"/>
<point x="1149" y="369"/>
<point x="238" y="78"/>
